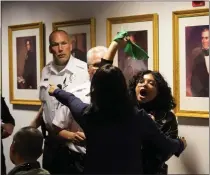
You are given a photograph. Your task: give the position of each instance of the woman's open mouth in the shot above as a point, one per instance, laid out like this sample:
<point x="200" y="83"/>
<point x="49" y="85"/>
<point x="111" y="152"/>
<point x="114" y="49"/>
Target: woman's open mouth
<point x="143" y="92"/>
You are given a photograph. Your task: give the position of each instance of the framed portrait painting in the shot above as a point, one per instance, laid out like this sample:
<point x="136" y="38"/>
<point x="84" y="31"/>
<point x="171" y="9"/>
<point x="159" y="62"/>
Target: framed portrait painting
<point x="191" y="62"/>
<point x="25" y="62"/>
<point x="82" y="33"/>
<point x="143" y="30"/>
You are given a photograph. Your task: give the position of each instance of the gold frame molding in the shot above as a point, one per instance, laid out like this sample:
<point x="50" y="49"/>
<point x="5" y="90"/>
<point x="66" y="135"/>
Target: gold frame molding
<point x="12" y="28"/>
<point x="90" y="21"/>
<point x="134" y="19"/>
<point x="176" y="62"/>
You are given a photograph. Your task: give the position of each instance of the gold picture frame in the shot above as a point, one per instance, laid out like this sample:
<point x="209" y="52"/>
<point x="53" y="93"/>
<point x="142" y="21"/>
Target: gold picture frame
<point x="178" y="64"/>
<point x="135" y="19"/>
<point x="80" y="28"/>
<point x="25" y="42"/>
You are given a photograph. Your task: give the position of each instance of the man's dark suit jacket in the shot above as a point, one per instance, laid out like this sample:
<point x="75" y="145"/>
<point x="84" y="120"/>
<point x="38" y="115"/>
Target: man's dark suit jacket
<point x="200" y="77"/>
<point x="30" y="71"/>
<point x="6" y="117"/>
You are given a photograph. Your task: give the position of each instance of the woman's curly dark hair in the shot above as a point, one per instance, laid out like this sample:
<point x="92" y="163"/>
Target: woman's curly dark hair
<point x="164" y="100"/>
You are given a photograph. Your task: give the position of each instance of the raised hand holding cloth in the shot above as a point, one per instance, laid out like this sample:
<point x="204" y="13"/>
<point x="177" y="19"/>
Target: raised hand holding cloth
<point x="132" y="49"/>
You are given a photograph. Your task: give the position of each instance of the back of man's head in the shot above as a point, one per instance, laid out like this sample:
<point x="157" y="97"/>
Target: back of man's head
<point x="27" y="144"/>
<point x="96" y="53"/>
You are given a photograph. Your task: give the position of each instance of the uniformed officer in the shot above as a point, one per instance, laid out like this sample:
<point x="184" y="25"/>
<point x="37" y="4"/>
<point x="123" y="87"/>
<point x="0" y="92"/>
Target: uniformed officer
<point x="67" y="72"/>
<point x="64" y="120"/>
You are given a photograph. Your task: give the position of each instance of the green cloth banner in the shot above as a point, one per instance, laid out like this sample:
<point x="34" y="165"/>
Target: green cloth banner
<point x="133" y="50"/>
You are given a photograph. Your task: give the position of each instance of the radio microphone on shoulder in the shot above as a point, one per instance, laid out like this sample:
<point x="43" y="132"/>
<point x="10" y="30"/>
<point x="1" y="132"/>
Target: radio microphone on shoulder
<point x="59" y="86"/>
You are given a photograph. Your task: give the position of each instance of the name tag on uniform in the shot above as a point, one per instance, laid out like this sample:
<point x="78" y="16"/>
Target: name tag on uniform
<point x="78" y="90"/>
<point x="44" y="84"/>
<point x="43" y="90"/>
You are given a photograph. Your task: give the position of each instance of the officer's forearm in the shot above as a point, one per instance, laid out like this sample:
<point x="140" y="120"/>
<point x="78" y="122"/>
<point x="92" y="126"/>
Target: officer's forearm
<point x="67" y="134"/>
<point x="38" y="119"/>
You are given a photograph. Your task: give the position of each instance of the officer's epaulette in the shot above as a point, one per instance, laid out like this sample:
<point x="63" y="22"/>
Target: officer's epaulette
<point x="81" y="67"/>
<point x="48" y="64"/>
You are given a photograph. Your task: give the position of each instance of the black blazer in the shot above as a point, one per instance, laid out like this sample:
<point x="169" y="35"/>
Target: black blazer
<point x="153" y="160"/>
<point x="115" y="147"/>
<point x="6" y="117"/>
<point x="30" y="70"/>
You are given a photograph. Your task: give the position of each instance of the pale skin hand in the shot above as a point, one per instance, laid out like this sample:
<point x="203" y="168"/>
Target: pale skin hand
<point x="7" y="129"/>
<point x="5" y="134"/>
<point x="182" y="138"/>
<point x="153" y="118"/>
<point x="122" y="43"/>
<point x="75" y="137"/>
<point x="80" y="135"/>
<point x="184" y="141"/>
<point x="52" y="89"/>
<point x="114" y="47"/>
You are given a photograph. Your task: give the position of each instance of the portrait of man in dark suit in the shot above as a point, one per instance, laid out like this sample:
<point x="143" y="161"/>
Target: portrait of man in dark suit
<point x="200" y="67"/>
<point x="26" y="56"/>
<point x="197" y="60"/>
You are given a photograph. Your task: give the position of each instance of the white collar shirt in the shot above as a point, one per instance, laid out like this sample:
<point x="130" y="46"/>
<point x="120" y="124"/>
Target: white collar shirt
<point x="74" y="74"/>
<point x="64" y="119"/>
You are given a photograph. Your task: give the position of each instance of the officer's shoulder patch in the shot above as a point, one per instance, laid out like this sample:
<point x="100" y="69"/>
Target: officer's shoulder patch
<point x="81" y="64"/>
<point x="48" y="64"/>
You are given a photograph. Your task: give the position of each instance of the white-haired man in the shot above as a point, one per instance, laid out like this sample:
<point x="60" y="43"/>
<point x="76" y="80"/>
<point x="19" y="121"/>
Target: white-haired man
<point x="63" y="119"/>
<point x="94" y="56"/>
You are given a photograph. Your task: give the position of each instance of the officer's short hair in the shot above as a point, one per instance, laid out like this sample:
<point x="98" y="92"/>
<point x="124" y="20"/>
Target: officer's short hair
<point x="27" y="143"/>
<point x="57" y="31"/>
<point x="99" y="50"/>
